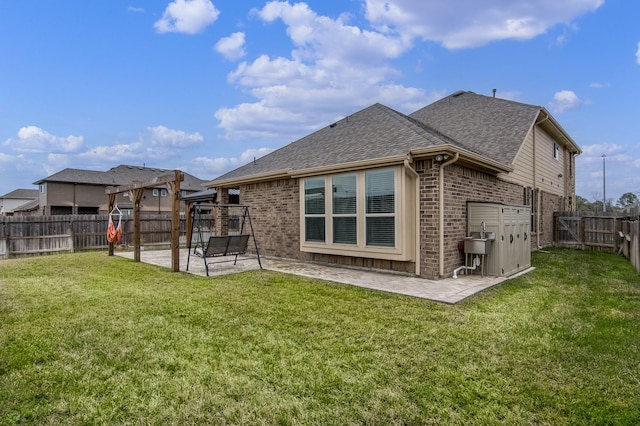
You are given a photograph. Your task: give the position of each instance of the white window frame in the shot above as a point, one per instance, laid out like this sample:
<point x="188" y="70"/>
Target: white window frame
<point x="404" y="220"/>
<point x="155" y="192"/>
<point x="556" y="151"/>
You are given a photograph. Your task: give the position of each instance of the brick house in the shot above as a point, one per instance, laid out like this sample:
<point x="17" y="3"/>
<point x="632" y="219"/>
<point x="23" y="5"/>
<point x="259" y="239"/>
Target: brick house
<point x="78" y="191"/>
<point x="380" y="189"/>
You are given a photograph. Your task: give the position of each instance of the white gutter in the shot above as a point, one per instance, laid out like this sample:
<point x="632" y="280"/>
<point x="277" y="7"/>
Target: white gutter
<point x="441" y="212"/>
<point x="411" y="170"/>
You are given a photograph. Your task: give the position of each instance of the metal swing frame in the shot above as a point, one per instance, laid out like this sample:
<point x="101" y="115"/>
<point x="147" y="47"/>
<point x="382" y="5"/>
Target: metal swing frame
<point x="218" y="246"/>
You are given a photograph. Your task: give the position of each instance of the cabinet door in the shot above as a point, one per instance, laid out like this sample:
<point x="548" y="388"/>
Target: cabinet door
<point x="524" y="229"/>
<point x="510" y="242"/>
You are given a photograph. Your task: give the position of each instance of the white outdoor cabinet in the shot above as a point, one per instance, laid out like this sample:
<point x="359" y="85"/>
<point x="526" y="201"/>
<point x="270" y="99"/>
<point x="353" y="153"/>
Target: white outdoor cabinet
<point x="511" y="249"/>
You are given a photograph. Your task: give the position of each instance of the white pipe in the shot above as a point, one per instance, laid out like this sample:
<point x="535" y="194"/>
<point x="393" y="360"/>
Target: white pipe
<point x="476" y="263"/>
<point x="441" y="213"/>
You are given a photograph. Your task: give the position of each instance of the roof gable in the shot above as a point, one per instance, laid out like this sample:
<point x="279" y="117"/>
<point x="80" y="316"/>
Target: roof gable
<point x="492" y="127"/>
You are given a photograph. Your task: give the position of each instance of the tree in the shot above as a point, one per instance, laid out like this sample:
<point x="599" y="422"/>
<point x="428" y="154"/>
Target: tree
<point x="582" y="204"/>
<point x="627" y="199"/>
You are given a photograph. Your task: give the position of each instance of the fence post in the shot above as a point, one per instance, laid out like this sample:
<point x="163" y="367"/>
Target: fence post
<point x="5" y="242"/>
<point x="71" y="237"/>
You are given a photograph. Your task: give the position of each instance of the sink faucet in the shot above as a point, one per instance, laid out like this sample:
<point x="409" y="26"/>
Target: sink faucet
<point x="483" y="228"/>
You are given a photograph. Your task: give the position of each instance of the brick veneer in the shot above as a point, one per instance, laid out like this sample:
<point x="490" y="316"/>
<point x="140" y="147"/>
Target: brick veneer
<point x="275" y="210"/>
<point x="461" y="184"/>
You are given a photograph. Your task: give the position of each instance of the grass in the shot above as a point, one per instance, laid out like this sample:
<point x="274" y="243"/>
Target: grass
<point x="92" y="339"/>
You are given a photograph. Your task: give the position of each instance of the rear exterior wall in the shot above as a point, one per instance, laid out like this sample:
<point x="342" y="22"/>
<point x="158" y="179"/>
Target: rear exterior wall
<point x="275" y="213"/>
<point x="461" y="184"/>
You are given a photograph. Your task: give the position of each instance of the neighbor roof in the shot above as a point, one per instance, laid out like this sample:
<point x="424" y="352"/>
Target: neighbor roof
<point x="26" y="194"/>
<point x="120" y="175"/>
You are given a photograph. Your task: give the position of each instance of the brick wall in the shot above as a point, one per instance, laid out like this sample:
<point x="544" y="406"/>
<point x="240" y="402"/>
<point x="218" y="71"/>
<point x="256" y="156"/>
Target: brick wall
<point x="275" y="212"/>
<point x="549" y="203"/>
<point x="274" y="209"/>
<point x="461" y="184"/>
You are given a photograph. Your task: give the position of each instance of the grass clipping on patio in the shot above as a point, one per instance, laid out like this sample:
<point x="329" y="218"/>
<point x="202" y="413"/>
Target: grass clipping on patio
<point x="92" y="339"/>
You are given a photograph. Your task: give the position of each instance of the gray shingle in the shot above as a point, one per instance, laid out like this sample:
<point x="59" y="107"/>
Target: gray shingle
<point x="374" y="132"/>
<point x="26" y="194"/>
<point x="489" y="127"/>
<point x="120" y="175"/>
<point x="492" y="127"/>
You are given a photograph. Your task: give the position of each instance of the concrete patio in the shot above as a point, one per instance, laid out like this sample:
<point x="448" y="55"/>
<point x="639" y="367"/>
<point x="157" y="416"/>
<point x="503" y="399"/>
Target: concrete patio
<point x="448" y="290"/>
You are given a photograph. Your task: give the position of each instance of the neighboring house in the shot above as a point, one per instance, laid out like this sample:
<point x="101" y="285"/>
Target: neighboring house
<point x="16" y="199"/>
<point x="381" y="189"/>
<point x="75" y="191"/>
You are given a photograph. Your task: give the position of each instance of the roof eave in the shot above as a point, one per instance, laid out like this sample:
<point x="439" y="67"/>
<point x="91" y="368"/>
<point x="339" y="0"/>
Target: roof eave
<point x="571" y="144"/>
<point x="466" y="156"/>
<point x="241" y="180"/>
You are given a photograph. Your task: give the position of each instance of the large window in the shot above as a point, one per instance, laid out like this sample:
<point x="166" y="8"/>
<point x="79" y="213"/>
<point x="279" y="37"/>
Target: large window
<point x="359" y="214"/>
<point x="345" y="219"/>
<point x="314" y="208"/>
<point x="380" y="213"/>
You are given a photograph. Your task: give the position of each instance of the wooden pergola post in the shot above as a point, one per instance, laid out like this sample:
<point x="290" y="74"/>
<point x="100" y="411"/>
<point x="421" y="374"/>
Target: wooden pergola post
<point x="136" y="191"/>
<point x="174" y="188"/>
<point x="136" y="196"/>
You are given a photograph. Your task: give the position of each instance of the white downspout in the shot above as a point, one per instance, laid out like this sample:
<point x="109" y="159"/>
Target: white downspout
<point x="411" y="170"/>
<point x="441" y="212"/>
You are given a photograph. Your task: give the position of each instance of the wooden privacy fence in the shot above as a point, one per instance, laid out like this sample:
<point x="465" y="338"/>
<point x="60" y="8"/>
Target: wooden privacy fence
<point x="33" y="235"/>
<point x="580" y="230"/>
<point x="614" y="234"/>
<point x="631" y="235"/>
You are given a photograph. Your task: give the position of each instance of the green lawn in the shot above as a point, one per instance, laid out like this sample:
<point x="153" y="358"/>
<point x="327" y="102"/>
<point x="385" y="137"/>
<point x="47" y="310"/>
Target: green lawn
<point x="91" y="339"/>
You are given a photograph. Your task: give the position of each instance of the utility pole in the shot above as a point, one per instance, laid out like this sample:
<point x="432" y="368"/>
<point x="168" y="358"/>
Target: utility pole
<point x="604" y="184"/>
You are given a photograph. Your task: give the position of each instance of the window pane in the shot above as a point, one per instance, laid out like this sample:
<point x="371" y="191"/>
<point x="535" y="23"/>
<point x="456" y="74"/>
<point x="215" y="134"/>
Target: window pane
<point x="314" y="196"/>
<point x="380" y="191"/>
<point x="381" y="231"/>
<point x="344" y="194"/>
<point x="314" y="227"/>
<point x="344" y="230"/>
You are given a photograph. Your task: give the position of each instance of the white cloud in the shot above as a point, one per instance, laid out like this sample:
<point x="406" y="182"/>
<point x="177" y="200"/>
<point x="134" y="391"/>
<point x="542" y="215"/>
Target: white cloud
<point x="231" y="47"/>
<point x="596" y="85"/>
<point x="163" y="136"/>
<point x="187" y="16"/>
<point x="564" y="100"/>
<point x="36" y="140"/>
<point x="334" y="69"/>
<point x="463" y="24"/>
<point x="214" y="166"/>
<point x="638" y="54"/>
<point x="157" y="143"/>
<point x="135" y="9"/>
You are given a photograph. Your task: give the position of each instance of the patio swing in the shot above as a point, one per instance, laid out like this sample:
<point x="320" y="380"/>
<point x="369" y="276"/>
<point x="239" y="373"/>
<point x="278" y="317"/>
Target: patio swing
<point x="222" y="246"/>
<point x="114" y="233"/>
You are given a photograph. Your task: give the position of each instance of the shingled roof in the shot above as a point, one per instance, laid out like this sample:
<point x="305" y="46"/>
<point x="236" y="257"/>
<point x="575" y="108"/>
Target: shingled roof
<point x="374" y="132"/>
<point x="120" y="175"/>
<point x="492" y="127"/>
<point x="488" y="130"/>
<point x="22" y="194"/>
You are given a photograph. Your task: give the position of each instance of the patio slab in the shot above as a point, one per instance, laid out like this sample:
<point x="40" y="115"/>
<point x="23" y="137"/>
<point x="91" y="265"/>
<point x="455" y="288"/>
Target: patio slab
<point x="447" y="290"/>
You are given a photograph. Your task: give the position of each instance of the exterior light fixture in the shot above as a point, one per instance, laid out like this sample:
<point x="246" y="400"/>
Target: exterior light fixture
<point x="442" y="157"/>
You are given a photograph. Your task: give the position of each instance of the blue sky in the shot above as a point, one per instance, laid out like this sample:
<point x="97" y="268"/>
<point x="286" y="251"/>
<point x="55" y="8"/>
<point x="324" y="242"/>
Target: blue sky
<point x="207" y="85"/>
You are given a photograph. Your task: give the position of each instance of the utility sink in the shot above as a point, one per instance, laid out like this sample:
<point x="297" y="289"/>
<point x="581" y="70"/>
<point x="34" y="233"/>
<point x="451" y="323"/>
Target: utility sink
<point x="479" y="242"/>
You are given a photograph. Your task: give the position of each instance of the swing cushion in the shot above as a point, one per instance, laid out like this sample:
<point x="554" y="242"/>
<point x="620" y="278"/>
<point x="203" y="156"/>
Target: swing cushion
<point x="226" y="245"/>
